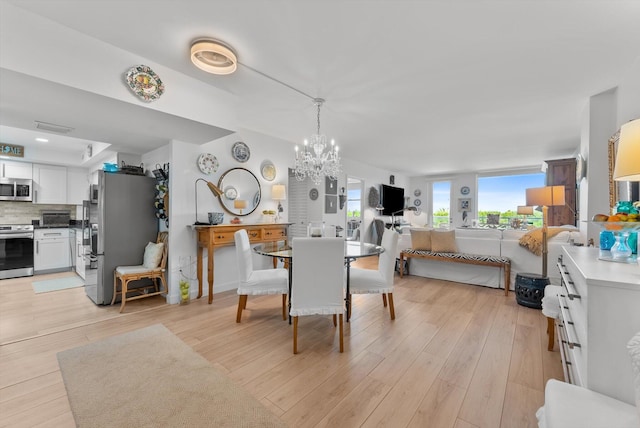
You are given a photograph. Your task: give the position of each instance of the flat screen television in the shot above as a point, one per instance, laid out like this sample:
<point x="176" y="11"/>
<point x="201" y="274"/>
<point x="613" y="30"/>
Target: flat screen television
<point x="392" y="199"/>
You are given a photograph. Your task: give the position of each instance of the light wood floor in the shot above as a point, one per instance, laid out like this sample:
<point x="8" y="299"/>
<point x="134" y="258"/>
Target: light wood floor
<point x="456" y="356"/>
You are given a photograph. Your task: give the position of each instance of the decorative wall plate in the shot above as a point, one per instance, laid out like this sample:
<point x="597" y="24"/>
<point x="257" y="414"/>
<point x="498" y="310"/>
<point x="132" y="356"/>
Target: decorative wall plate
<point x="268" y="171"/>
<point x="313" y="194"/>
<point x="145" y="83"/>
<point x="240" y="151"/>
<point x="417" y="193"/>
<point x="465" y="190"/>
<point x="230" y="193"/>
<point x="207" y="163"/>
<point x="417" y="202"/>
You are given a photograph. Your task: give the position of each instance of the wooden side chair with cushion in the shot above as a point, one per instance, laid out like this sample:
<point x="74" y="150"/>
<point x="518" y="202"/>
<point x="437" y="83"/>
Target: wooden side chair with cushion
<point x="153" y="267"/>
<point x="257" y="282"/>
<point x="317" y="281"/>
<point x="368" y="281"/>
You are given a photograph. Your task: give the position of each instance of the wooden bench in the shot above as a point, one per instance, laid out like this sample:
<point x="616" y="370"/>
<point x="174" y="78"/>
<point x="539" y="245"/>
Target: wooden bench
<point x="471" y="259"/>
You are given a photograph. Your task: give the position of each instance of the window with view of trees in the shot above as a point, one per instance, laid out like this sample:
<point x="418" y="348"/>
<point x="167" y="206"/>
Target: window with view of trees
<point x="503" y="193"/>
<point x="440" y="202"/>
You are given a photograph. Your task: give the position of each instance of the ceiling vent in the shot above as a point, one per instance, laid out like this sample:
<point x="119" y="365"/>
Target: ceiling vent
<point x="52" y="127"/>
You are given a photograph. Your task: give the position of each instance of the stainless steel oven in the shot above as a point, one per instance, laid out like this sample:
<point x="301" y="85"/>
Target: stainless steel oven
<point x="16" y="189"/>
<point x="16" y="250"/>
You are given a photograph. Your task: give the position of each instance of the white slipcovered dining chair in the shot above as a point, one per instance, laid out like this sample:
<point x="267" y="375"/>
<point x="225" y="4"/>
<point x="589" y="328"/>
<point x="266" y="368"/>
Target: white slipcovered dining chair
<point x="317" y="281"/>
<point x="569" y="406"/>
<point x="368" y="281"/>
<point x="551" y="310"/>
<point x="257" y="282"/>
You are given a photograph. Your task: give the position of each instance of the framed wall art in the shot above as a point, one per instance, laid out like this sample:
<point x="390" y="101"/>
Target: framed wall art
<point x="330" y="204"/>
<point x="464" y="204"/>
<point x="330" y="186"/>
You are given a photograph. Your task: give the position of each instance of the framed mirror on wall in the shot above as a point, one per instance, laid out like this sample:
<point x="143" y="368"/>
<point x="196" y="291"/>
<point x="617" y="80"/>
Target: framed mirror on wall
<point x="241" y="191"/>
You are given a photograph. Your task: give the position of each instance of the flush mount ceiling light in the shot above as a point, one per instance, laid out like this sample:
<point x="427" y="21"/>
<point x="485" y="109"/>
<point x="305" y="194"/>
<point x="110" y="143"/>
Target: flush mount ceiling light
<point x="213" y="56"/>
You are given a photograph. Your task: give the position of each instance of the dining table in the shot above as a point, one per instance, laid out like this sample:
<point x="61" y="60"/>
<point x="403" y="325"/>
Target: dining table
<point x="352" y="250"/>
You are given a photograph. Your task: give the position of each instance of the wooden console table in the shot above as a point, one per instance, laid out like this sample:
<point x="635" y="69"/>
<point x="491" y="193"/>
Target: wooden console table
<point x="212" y="237"/>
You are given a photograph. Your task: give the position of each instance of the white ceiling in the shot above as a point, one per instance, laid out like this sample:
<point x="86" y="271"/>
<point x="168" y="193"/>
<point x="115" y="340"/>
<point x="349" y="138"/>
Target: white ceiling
<point x="420" y="87"/>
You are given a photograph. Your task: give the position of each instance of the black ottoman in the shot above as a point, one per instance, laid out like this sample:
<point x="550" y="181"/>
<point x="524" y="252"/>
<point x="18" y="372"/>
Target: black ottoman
<point x="530" y="289"/>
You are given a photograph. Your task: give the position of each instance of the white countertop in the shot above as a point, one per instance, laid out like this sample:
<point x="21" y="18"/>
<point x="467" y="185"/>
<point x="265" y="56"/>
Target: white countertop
<point x="604" y="273"/>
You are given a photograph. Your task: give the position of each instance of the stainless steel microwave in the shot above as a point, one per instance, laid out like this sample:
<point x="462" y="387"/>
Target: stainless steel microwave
<point x="16" y="189"/>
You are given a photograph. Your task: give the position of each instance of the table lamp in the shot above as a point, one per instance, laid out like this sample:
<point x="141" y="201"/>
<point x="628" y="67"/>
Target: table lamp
<point x="627" y="167"/>
<point x="279" y="193"/>
<point x="214" y="189"/>
<point x="525" y="211"/>
<point x="240" y="204"/>
<point x="546" y="197"/>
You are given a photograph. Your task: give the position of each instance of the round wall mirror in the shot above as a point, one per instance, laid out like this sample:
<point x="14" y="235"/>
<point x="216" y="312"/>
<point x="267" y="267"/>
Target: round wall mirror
<point x="241" y="192"/>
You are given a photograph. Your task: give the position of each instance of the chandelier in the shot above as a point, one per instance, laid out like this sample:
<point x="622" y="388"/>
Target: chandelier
<point x="318" y="158"/>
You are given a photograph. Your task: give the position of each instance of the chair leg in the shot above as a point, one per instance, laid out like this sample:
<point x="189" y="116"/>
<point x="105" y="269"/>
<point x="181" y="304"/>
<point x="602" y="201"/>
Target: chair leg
<point x="123" y="294"/>
<point x="335" y="320"/>
<point x="392" y="310"/>
<point x="551" y="333"/>
<point x="115" y="287"/>
<point x="284" y="307"/>
<point x="384" y="300"/>
<point x="242" y="303"/>
<point x="295" y="335"/>
<point x="350" y="299"/>
<point x="341" y="335"/>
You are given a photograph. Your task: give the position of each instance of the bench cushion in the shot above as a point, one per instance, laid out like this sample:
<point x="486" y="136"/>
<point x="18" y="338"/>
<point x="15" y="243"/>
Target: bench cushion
<point x="458" y="256"/>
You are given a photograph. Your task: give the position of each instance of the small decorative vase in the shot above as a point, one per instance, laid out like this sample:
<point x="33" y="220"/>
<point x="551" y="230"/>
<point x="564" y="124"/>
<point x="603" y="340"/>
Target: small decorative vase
<point x="621" y="249"/>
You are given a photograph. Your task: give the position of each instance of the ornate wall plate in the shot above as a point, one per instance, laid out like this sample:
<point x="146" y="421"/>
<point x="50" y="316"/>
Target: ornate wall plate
<point x="465" y="190"/>
<point x="145" y="83"/>
<point x="417" y="202"/>
<point x="417" y="193"/>
<point x="207" y="163"/>
<point x="313" y="194"/>
<point x="268" y="170"/>
<point x="240" y="151"/>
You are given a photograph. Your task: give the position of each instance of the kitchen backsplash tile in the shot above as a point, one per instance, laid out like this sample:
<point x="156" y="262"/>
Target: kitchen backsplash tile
<point x="24" y="212"/>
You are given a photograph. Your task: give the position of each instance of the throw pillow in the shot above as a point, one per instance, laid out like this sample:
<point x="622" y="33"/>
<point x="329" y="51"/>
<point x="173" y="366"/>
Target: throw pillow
<point x="152" y="255"/>
<point x="634" y="352"/>
<point x="444" y="242"/>
<point x="421" y="239"/>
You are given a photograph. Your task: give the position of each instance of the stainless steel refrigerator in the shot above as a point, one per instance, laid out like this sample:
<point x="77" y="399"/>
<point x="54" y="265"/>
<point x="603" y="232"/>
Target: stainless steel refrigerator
<point x="126" y="223"/>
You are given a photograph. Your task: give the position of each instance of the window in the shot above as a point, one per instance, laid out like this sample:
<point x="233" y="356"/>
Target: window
<point x="501" y="195"/>
<point x="354" y="207"/>
<point x="440" y="202"/>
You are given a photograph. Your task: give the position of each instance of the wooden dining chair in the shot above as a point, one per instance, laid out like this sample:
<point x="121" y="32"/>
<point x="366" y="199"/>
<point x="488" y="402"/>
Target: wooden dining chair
<point x="380" y="281"/>
<point x="153" y="267"/>
<point x="257" y="282"/>
<point x="317" y="281"/>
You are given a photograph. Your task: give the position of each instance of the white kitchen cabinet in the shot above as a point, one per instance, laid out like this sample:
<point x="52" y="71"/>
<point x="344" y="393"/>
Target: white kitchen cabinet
<point x="52" y="250"/>
<point x="11" y="169"/>
<point x="600" y="306"/>
<point x="50" y="184"/>
<point x="77" y="186"/>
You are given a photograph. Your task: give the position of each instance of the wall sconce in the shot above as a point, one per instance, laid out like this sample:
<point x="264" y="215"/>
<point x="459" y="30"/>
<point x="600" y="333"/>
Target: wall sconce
<point x="279" y="193"/>
<point x="214" y="189"/>
<point x="342" y="198"/>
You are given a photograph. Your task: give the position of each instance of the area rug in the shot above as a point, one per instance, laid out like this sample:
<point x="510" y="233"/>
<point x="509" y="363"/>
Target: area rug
<point x="150" y="378"/>
<point x="57" y="284"/>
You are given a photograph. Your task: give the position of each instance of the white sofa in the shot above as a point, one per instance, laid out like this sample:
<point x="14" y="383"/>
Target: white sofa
<point x="494" y="242"/>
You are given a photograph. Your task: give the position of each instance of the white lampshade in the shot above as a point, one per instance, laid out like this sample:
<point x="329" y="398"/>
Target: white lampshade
<point x="547" y="196"/>
<point x="525" y="210"/>
<point x="278" y="192"/>
<point x="240" y="204"/>
<point x="627" y="167"/>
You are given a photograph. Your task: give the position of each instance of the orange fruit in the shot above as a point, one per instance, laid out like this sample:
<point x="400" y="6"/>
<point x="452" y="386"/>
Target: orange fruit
<point x="614" y="217"/>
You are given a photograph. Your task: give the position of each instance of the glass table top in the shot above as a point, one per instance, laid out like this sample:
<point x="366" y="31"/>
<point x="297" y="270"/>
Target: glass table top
<point x="352" y="249"/>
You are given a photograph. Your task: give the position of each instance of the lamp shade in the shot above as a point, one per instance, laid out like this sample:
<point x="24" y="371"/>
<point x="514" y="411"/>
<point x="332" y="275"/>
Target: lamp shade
<point x="547" y="196"/>
<point x="240" y="204"/>
<point x="627" y="166"/>
<point x="525" y="210"/>
<point x="278" y="192"/>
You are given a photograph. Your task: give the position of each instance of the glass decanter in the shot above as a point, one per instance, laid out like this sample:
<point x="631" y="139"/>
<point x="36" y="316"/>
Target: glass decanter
<point x="621" y="249"/>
